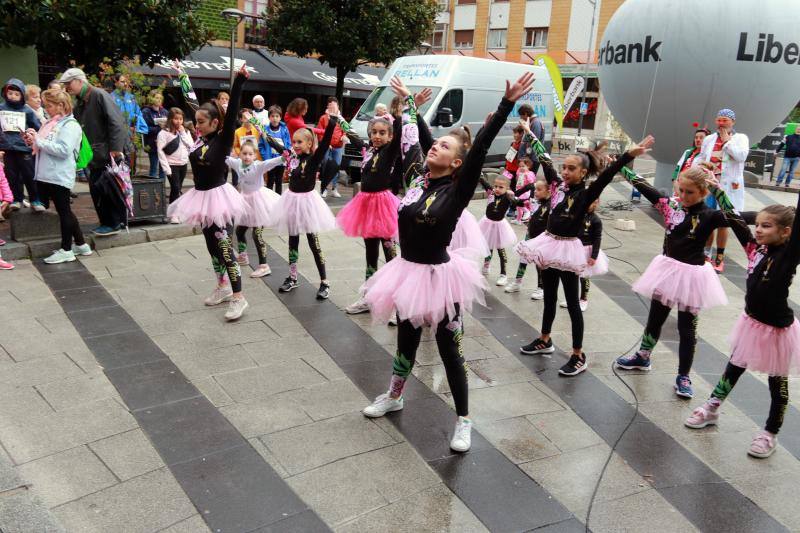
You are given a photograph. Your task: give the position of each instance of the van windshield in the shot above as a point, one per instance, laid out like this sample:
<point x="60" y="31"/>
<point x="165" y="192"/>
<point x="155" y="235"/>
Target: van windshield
<point x="384" y="95"/>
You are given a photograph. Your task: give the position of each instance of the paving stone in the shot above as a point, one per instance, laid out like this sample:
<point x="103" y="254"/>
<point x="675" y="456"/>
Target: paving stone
<point x="306" y="447"/>
<point x="565" y="430"/>
<point x="211" y="390"/>
<point x="151" y="384"/>
<point x="395" y="471"/>
<point x="269" y="415"/>
<point x="776" y="494"/>
<point x="198" y="364"/>
<point x="123" y="238"/>
<point x="35" y="346"/>
<point x="23" y="512"/>
<point x="162" y="232"/>
<point x="128" y="454"/>
<point x="75" y="391"/>
<point x="143" y="504"/>
<point x="194" y="524"/>
<point x="269" y="379"/>
<point x="305" y="522"/>
<point x="630" y="513"/>
<point x="20" y="404"/>
<point x="268" y="457"/>
<point x="66" y="476"/>
<point x="518" y="439"/>
<point x="328" y="399"/>
<point x="506" y="401"/>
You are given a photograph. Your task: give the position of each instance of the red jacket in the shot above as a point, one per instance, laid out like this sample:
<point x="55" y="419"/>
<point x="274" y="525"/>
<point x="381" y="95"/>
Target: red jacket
<point x="338" y="133"/>
<point x="296" y="122"/>
<point x="513" y="166"/>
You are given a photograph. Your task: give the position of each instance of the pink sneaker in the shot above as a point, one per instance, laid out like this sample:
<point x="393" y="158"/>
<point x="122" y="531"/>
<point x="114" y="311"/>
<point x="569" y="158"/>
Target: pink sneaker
<point x="764" y="444"/>
<point x="243" y="259"/>
<point x="5" y="265"/>
<point x="703" y="416"/>
<point x="2" y="242"/>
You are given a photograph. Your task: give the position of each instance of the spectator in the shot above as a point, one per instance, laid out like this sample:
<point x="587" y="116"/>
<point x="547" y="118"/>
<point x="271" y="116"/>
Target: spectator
<point x="54" y="84"/>
<point x="56" y="146"/>
<point x="293" y="118"/>
<point x="277" y="129"/>
<point x="261" y="114"/>
<point x="333" y="158"/>
<point x="156" y="118"/>
<point x="223" y="98"/>
<point x="106" y="129"/>
<point x="33" y="97"/>
<point x="727" y="151"/>
<point x="790" y="158"/>
<point x="132" y="114"/>
<point x="18" y="159"/>
<point x="172" y="148"/>
<point x="526" y="114"/>
<point x="248" y="132"/>
<point x="688" y="156"/>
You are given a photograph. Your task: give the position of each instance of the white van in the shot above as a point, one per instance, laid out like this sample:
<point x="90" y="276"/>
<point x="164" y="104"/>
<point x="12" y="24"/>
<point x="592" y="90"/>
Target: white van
<point x="464" y="88"/>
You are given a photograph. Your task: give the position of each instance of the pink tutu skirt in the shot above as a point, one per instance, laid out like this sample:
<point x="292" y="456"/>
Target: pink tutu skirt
<point x="220" y="205"/>
<point x="468" y="237"/>
<point x="600" y="264"/>
<point x="261" y="208"/>
<point x="759" y="347"/>
<point x="424" y="294"/>
<point x="497" y="234"/>
<point x="549" y="251"/>
<point x="370" y="215"/>
<point x="675" y="284"/>
<point x="303" y="212"/>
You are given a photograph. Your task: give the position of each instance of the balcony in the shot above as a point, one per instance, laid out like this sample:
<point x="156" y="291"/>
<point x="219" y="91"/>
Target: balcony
<point x="255" y="31"/>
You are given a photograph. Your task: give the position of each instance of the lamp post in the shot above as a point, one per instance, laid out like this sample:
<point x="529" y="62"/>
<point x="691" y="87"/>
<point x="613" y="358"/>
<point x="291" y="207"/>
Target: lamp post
<point x="236" y="16"/>
<point x="424" y="47"/>
<point x="589" y="55"/>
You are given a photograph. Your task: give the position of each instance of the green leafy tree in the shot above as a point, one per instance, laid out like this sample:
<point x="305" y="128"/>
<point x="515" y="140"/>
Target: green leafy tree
<point x="84" y="32"/>
<point x="348" y="33"/>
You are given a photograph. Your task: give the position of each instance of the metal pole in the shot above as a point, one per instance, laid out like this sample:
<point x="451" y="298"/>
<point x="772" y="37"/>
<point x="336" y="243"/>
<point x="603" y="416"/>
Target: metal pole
<point x="589" y="55"/>
<point x="233" y="32"/>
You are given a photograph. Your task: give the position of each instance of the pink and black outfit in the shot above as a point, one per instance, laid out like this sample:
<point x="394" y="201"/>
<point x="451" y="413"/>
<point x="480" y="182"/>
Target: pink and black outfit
<point x="496" y="230"/>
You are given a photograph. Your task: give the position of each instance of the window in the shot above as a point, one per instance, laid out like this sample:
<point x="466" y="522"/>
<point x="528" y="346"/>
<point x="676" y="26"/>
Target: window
<point x="463" y="38"/>
<point x="438" y="39"/>
<point x="444" y="5"/>
<point x="497" y="38"/>
<point x="255" y="7"/>
<point x="535" y="38"/>
<point x="454" y="100"/>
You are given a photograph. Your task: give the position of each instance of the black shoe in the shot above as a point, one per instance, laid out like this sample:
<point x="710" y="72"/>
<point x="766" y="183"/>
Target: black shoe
<point x="288" y="285"/>
<point x="538" y="346"/>
<point x="324" y="291"/>
<point x="574" y="366"/>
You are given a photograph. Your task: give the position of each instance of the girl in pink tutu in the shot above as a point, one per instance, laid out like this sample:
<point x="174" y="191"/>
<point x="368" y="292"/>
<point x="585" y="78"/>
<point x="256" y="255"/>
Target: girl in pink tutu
<point x="372" y="213"/>
<point x="301" y="209"/>
<point x="213" y="204"/>
<point x="766" y="338"/>
<point x="260" y="204"/>
<point x="426" y="285"/>
<point x="494" y="227"/>
<point x="558" y="251"/>
<point x="680" y="277"/>
<point x="537" y="224"/>
<point x="524" y="178"/>
<point x="591" y="237"/>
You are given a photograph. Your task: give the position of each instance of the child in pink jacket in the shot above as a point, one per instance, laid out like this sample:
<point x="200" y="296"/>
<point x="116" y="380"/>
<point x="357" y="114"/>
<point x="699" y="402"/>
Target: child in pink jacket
<point x="524" y="177"/>
<point x="6" y="197"/>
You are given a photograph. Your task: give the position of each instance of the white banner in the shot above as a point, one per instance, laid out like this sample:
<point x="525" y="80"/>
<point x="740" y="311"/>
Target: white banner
<point x="572" y="93"/>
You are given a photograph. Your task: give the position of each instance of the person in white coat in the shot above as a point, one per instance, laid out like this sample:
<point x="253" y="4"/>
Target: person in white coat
<point x="727" y="150"/>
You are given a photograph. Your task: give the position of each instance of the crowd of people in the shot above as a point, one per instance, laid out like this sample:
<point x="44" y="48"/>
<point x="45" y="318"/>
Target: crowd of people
<point x="413" y="196"/>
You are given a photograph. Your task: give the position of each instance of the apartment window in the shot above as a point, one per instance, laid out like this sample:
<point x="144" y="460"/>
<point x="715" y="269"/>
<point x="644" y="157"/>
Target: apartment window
<point x="444" y="5"/>
<point x="255" y="7"/>
<point x="497" y="38"/>
<point x="535" y="38"/>
<point x="463" y="38"/>
<point x="438" y="38"/>
<point x="463" y="2"/>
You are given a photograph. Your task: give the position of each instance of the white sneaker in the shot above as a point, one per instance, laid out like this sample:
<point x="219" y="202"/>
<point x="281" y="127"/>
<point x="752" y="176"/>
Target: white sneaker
<point x="357" y="307"/>
<point x="174" y="220"/>
<point x="335" y="193"/>
<point x="584" y="305"/>
<point x="501" y="281"/>
<point x="514" y="286"/>
<point x="325" y="193"/>
<point x="562" y="304"/>
<point x="261" y="271"/>
<point x="393" y="320"/>
<point x="537" y="294"/>
<point x="220" y="294"/>
<point x="236" y="308"/>
<point x="26" y="203"/>
<point x="83" y="249"/>
<point x="383" y="404"/>
<point x="462" y="435"/>
<point x="485" y="270"/>
<point x="60" y="256"/>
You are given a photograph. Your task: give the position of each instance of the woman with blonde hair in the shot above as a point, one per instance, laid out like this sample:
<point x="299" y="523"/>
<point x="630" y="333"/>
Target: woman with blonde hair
<point x="156" y="118"/>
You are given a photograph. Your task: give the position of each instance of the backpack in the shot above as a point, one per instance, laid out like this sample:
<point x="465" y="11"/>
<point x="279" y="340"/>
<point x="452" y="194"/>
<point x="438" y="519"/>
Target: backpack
<point x="85" y="153"/>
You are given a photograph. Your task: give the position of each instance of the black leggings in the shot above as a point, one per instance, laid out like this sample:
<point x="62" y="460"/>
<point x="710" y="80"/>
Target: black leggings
<point x="687" y="332"/>
<point x="220" y="248"/>
<point x="258" y="238"/>
<point x="521" y="274"/>
<point x="70" y="229"/>
<point x="176" y="181"/>
<point x="585" y="285"/>
<point x="20" y="169"/>
<point x="501" y="253"/>
<point x="316" y="251"/>
<point x="569" y="280"/>
<point x="275" y="179"/>
<point x="448" y="338"/>
<point x="372" y="246"/>
<point x="778" y="390"/>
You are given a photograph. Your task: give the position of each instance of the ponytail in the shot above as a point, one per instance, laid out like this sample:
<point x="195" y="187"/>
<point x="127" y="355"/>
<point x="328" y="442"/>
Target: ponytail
<point x="594" y="161"/>
<point x="214" y="111"/>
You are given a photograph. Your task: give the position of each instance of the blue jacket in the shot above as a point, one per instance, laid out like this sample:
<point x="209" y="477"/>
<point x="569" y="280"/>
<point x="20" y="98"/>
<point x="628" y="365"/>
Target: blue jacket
<point x="792" y="144"/>
<point x="282" y="134"/>
<point x="153" y="129"/>
<point x="11" y="141"/>
<point x="55" y="161"/>
<point x="130" y="110"/>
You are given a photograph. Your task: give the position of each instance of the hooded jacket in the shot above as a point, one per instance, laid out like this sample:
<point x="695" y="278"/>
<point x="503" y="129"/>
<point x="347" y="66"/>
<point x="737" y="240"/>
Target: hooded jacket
<point x="11" y="141"/>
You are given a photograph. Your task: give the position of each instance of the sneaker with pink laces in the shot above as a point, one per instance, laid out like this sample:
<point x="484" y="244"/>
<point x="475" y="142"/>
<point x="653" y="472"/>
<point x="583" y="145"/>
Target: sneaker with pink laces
<point x="703" y="416"/>
<point x="764" y="444"/>
<point x="5" y="265"/>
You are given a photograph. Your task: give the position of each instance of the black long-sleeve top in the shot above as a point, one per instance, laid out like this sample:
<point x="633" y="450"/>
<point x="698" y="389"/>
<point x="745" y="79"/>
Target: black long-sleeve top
<point x="497" y="207"/>
<point x="538" y="221"/>
<point x="377" y="165"/>
<point x="303" y="168"/>
<point x="208" y="159"/>
<point x="592" y="233"/>
<point x="570" y="203"/>
<point x="429" y="214"/>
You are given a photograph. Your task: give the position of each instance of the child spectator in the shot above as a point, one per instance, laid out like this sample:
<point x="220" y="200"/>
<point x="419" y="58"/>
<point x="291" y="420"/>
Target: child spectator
<point x="18" y="159"/>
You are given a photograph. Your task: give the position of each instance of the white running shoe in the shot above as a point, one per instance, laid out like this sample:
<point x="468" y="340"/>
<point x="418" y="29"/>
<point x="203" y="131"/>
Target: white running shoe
<point x="174" y="220"/>
<point x="335" y="193"/>
<point x="325" y="193"/>
<point x="220" y="294"/>
<point x="383" y="404"/>
<point x="502" y="280"/>
<point x="462" y="435"/>
<point x="261" y="271"/>
<point x="83" y="249"/>
<point x="562" y="304"/>
<point x="537" y="294"/>
<point x="236" y="308"/>
<point x="357" y="307"/>
<point x="393" y="320"/>
<point x="514" y="286"/>
<point x="584" y="305"/>
<point x="60" y="256"/>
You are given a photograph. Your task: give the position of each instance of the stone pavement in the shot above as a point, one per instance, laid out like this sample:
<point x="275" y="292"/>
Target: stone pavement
<point x="129" y="406"/>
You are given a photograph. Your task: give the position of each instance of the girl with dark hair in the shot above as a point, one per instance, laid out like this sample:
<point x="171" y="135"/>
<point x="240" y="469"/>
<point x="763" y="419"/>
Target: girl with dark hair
<point x="172" y="145"/>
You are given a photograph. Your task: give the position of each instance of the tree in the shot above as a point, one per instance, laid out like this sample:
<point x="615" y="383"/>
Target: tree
<point x="84" y="32"/>
<point x="349" y="33"/>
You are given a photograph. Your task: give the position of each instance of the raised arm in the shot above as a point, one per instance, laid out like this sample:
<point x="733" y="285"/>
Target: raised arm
<point x="316" y="158"/>
<point x="186" y="87"/>
<point x="229" y="125"/>
<point x="730" y="217"/>
<point x="793" y="252"/>
<point x="268" y="164"/>
<point x="605" y="177"/>
<point x="652" y="194"/>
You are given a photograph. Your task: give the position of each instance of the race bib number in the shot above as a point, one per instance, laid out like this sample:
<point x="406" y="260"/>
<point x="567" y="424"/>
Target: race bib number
<point x="12" y="120"/>
<point x="511" y="155"/>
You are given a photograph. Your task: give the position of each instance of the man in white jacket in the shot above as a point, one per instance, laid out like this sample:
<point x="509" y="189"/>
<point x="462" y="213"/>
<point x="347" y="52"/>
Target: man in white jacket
<point x="727" y="151"/>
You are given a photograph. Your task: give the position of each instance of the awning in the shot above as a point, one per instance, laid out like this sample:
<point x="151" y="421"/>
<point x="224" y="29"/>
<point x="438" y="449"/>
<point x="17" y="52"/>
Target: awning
<point x="311" y="72"/>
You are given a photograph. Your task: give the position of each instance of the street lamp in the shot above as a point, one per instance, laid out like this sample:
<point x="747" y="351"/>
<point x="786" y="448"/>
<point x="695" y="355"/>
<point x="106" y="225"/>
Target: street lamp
<point x="589" y="55"/>
<point x="424" y="47"/>
<point x="236" y="16"/>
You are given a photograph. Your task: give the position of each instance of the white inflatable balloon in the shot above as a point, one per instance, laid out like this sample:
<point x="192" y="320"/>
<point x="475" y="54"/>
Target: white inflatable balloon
<point x="667" y="65"/>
